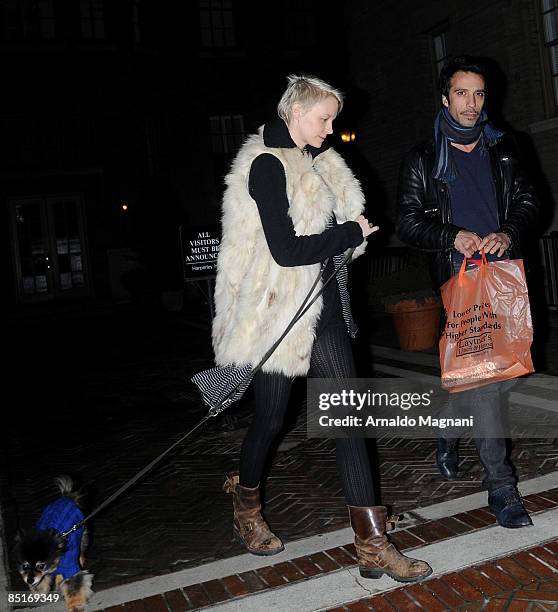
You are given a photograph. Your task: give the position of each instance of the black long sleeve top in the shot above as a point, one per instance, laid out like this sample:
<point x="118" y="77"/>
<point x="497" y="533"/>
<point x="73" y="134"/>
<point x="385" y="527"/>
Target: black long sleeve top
<point x="267" y="186"/>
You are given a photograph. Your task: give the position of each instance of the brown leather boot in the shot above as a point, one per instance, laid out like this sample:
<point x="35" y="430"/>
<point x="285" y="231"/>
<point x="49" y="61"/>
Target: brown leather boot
<point x="249" y="525"/>
<point x="376" y="554"/>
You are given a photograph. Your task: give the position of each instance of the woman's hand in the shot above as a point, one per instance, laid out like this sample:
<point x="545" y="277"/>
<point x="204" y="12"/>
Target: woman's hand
<point x="366" y="227"/>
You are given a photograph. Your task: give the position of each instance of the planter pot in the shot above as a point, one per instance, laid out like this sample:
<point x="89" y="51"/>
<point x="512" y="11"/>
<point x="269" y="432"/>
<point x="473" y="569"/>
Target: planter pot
<point x="417" y="325"/>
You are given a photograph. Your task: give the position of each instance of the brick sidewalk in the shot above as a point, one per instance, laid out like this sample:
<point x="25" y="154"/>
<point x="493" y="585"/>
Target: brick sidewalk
<point x="514" y="581"/>
<point x="517" y="583"/>
<point x="131" y="392"/>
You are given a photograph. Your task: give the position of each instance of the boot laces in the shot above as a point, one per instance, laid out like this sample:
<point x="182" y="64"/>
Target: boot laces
<point x="512" y="496"/>
<point x="391" y="521"/>
<point x="229" y="485"/>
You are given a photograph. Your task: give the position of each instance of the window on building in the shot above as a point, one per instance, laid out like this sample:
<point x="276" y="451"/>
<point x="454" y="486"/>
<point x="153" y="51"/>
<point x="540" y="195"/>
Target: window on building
<point x="136" y="9"/>
<point x="440" y="51"/>
<point x="227" y="133"/>
<point x="216" y="22"/>
<point x="300" y="23"/>
<point x="92" y="19"/>
<point x="28" y="20"/>
<point x="150" y="147"/>
<point x="45" y="17"/>
<point x="13" y="21"/>
<point x="550" y="32"/>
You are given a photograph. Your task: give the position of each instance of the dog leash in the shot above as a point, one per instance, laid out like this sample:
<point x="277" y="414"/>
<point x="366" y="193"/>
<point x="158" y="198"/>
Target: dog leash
<point x="214" y="411"/>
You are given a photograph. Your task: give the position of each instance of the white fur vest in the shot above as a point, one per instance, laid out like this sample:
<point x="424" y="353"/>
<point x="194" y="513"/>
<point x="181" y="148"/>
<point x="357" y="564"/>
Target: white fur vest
<point x="255" y="298"/>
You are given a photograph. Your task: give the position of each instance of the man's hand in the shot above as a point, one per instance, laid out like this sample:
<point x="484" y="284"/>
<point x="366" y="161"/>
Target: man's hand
<point x="499" y="242"/>
<point x="366" y="227"/>
<point x="467" y="243"/>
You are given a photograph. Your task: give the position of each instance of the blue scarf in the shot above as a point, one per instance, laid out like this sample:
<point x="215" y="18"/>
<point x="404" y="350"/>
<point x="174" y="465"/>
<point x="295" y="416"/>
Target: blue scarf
<point x="448" y="130"/>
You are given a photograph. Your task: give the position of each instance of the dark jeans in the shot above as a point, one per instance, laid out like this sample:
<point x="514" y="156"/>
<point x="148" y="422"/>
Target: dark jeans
<point x="485" y="405"/>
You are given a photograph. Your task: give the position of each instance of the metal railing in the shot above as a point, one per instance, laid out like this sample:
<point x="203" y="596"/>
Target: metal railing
<point x="549" y="252"/>
<point x="393" y="259"/>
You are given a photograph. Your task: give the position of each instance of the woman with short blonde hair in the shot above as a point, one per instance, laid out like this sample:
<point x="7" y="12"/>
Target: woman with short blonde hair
<point x="291" y="208"/>
<point x="306" y="90"/>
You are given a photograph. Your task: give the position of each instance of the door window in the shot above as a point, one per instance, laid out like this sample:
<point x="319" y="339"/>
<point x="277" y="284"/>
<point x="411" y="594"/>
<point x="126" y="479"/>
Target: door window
<point x="49" y="248"/>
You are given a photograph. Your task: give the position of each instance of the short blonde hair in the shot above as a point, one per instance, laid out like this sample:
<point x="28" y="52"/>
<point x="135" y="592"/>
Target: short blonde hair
<point x="305" y="90"/>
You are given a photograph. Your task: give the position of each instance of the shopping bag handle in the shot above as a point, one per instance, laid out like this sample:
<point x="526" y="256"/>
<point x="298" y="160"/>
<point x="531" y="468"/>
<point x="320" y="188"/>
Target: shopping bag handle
<point x="484" y="263"/>
<point x="462" y="270"/>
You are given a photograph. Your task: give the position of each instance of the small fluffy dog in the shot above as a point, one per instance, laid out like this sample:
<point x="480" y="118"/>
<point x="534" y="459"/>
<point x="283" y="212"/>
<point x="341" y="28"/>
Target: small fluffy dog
<point x="46" y="560"/>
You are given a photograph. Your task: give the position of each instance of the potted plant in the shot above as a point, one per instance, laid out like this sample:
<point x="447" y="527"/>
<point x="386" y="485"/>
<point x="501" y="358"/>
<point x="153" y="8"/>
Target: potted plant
<point x="416" y="319"/>
<point x="414" y="307"/>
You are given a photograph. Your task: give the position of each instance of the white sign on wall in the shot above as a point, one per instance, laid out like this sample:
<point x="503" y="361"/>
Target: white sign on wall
<point x="200" y="247"/>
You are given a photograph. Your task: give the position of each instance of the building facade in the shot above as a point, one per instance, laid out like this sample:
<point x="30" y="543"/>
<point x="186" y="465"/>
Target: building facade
<point x="119" y="121"/>
<point x="397" y="51"/>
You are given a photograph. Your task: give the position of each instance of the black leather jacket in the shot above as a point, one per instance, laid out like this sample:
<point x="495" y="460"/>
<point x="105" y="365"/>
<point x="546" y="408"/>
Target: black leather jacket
<point x="424" y="210"/>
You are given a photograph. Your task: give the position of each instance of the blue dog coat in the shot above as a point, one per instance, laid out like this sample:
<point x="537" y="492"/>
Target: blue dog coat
<point x="62" y="515"/>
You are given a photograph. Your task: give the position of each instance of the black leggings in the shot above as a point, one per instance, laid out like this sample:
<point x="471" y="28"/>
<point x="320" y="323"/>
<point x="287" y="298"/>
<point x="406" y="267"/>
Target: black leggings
<point x="331" y="358"/>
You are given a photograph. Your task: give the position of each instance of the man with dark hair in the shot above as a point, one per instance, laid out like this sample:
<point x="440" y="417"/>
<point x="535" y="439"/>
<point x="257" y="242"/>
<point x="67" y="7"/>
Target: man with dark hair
<point x="461" y="63"/>
<point x="460" y="193"/>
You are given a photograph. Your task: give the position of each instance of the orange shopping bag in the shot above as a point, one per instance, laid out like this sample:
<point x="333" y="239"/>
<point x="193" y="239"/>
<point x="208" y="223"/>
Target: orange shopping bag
<point x="488" y="333"/>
